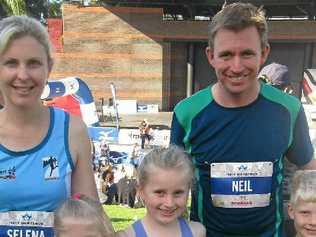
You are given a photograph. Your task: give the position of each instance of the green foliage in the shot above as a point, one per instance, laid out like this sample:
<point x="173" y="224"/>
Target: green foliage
<point x="122" y="217"/>
<point x="14" y="7"/>
<point x="54" y="9"/>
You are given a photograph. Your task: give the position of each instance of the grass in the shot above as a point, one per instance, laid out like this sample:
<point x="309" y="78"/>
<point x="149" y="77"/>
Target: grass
<point x="122" y="217"/>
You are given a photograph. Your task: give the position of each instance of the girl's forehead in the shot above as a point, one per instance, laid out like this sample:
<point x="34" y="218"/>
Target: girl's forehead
<point x="74" y="221"/>
<point x="78" y="227"/>
<point x="167" y="175"/>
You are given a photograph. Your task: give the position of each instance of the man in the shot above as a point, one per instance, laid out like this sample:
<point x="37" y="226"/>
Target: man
<point x="238" y="131"/>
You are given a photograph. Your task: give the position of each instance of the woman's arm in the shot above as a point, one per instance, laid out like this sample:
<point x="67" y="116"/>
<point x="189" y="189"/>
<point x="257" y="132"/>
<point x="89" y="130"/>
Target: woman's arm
<point x="82" y="179"/>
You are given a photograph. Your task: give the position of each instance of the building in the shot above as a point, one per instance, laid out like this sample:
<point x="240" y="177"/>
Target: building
<point x="153" y="51"/>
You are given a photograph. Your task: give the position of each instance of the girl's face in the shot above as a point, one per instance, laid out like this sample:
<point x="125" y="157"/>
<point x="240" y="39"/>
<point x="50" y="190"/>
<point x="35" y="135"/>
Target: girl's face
<point x="78" y="228"/>
<point x="165" y="194"/>
<point x="24" y="70"/>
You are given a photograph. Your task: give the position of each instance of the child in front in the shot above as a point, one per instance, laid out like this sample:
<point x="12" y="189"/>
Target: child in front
<point x="302" y="206"/>
<point x="81" y="216"/>
<point x="164" y="180"/>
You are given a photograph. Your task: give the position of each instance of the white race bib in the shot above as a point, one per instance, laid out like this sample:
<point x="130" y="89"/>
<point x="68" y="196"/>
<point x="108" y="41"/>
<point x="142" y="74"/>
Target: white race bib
<point x="241" y="185"/>
<point x="26" y="224"/>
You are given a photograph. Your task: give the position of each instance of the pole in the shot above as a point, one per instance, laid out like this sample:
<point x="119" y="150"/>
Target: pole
<point x="113" y="90"/>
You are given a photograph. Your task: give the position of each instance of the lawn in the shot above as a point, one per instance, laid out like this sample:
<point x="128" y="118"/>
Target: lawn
<point x="122" y="216"/>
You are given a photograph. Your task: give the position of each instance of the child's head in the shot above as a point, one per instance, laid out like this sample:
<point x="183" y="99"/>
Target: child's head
<point x="172" y="158"/>
<point x="82" y="216"/>
<point x="302" y="206"/>
<point x="164" y="179"/>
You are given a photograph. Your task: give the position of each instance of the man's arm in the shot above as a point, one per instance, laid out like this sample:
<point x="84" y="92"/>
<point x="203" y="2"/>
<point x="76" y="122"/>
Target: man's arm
<point x="177" y="132"/>
<point x="301" y="152"/>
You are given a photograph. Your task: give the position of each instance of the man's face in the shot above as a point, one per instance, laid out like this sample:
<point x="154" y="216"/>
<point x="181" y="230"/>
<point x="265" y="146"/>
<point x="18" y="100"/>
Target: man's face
<point x="304" y="216"/>
<point x="237" y="57"/>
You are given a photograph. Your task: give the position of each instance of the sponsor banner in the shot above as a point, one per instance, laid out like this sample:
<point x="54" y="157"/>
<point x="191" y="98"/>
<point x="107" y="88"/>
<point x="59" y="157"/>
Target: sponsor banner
<point x="132" y="136"/>
<point x="126" y="106"/>
<point x="71" y="85"/>
<point x="148" y="108"/>
<point x="89" y="113"/>
<point x="241" y="185"/>
<point x="107" y="134"/>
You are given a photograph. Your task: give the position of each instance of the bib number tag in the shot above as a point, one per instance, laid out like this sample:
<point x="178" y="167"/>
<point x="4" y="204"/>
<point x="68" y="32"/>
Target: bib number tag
<point x="241" y="185"/>
<point x="26" y="224"/>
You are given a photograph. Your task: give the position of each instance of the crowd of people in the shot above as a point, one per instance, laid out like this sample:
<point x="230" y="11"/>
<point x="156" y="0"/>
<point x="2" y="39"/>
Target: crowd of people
<point x="116" y="184"/>
<point x="228" y="144"/>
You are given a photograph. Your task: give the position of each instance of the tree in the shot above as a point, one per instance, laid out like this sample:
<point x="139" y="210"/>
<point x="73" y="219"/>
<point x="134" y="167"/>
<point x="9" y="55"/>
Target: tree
<point x="13" y="7"/>
<point x="54" y="9"/>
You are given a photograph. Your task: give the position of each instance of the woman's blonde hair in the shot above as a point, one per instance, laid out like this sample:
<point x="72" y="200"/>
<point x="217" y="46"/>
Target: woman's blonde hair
<point x="303" y="186"/>
<point x="85" y="209"/>
<point x="15" y="27"/>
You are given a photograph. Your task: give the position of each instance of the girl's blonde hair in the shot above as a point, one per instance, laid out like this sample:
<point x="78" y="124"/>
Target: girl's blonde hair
<point x="165" y="158"/>
<point x="303" y="186"/>
<point x="85" y="209"/>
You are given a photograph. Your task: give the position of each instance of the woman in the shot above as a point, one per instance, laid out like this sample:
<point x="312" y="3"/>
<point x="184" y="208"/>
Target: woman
<point x="45" y="153"/>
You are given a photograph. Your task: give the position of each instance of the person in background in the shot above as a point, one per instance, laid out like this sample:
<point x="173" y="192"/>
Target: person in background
<point x="164" y="181"/>
<point x="238" y="131"/>
<point x="45" y="153"/>
<point x="144" y="130"/>
<point x="302" y="205"/>
<point x="81" y="216"/>
<point x="278" y="76"/>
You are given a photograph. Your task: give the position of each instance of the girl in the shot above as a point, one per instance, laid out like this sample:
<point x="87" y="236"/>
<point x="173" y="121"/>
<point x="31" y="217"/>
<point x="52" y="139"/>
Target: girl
<point x="164" y="179"/>
<point x="82" y="216"/>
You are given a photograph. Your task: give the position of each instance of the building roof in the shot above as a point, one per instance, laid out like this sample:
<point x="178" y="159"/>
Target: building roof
<point x="191" y="9"/>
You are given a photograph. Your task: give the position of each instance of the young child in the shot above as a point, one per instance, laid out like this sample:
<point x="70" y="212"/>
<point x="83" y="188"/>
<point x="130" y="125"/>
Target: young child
<point x="81" y="216"/>
<point x="163" y="183"/>
<point x="302" y="206"/>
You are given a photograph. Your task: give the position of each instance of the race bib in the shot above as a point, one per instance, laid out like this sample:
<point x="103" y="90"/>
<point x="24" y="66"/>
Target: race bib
<point x="26" y="224"/>
<point x="241" y="185"/>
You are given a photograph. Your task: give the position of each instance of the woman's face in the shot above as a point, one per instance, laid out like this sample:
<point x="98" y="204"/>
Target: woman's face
<point x="24" y="70"/>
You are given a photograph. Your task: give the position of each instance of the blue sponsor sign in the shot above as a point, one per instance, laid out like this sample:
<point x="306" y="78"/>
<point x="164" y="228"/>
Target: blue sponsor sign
<point x="103" y="134"/>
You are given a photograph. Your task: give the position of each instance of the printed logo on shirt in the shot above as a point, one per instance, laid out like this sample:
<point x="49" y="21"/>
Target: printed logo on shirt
<point x="50" y="166"/>
<point x="8" y="173"/>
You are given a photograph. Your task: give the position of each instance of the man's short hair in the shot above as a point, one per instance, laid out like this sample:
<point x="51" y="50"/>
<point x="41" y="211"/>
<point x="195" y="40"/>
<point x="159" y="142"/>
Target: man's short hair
<point x="238" y="16"/>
